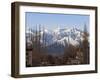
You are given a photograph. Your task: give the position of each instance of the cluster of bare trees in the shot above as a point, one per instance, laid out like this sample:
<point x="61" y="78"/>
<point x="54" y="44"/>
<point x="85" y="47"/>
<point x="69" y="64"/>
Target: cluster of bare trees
<point x="37" y="55"/>
<point x="78" y="54"/>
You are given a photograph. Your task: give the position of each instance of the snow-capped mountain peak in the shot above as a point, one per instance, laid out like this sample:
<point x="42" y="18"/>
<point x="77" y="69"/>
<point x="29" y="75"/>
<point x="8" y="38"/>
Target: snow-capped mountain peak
<point x="63" y="36"/>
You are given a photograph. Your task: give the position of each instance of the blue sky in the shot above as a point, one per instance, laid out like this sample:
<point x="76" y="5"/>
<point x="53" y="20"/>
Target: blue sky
<point x="53" y="21"/>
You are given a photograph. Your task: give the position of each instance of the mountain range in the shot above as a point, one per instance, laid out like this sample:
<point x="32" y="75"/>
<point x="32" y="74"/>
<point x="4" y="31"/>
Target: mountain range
<point x="55" y="40"/>
<point x="70" y="36"/>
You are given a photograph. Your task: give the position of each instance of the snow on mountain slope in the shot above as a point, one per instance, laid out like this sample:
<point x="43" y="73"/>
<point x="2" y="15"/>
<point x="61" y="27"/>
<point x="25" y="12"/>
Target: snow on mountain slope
<point x="61" y="36"/>
<point x="68" y="40"/>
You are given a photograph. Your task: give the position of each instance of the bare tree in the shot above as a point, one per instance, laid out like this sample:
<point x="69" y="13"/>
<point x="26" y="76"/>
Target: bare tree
<point x="85" y="46"/>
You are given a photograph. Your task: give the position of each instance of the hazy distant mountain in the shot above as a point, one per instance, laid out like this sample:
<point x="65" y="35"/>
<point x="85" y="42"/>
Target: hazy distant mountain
<point x="62" y="36"/>
<point x="57" y="39"/>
